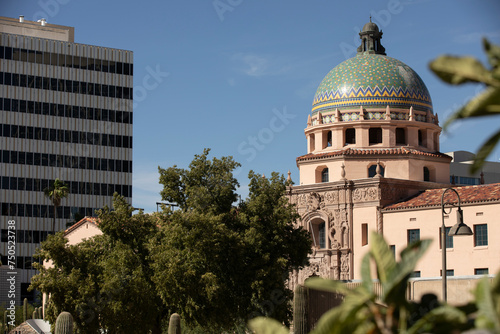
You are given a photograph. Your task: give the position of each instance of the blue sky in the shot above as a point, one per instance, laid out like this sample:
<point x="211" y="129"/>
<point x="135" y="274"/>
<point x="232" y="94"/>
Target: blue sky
<point x="238" y="76"/>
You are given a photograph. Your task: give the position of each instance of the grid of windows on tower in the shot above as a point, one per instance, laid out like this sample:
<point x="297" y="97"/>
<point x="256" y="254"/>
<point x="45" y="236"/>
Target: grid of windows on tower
<point x="75" y="187"/>
<point x="26" y="236"/>
<point x="57" y="59"/>
<point x="66" y="161"/>
<point x="23" y="262"/>
<point x="44" y="211"/>
<point x="62" y="85"/>
<point x="64" y="136"/>
<point x="64" y="110"/>
<point x="464" y="180"/>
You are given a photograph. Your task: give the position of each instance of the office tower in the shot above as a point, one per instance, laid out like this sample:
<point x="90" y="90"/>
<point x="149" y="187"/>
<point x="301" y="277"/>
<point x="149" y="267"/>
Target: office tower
<point x="65" y="112"/>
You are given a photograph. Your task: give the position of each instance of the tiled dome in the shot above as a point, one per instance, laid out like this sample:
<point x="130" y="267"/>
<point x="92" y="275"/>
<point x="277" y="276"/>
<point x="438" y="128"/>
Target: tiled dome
<point x="371" y="80"/>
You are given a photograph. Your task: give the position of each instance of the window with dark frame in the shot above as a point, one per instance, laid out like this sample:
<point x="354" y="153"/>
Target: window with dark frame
<point x="350" y="136"/>
<point x="481" y="271"/>
<point x="324" y="175"/>
<point x="413" y="235"/>
<point x="480" y="235"/>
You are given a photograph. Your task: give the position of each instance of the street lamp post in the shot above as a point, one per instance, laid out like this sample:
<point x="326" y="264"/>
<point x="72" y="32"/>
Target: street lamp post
<point x="457" y="230"/>
<point x="166" y="203"/>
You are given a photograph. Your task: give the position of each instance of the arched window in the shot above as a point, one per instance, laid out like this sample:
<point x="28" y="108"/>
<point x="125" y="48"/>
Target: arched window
<point x="372" y="170"/>
<point x="324" y="175"/>
<point x="364" y="45"/>
<point x="420" y="138"/>
<point x="427" y="174"/>
<point x="350" y="136"/>
<point x="329" y="139"/>
<point x="318" y="232"/>
<point x="322" y="235"/>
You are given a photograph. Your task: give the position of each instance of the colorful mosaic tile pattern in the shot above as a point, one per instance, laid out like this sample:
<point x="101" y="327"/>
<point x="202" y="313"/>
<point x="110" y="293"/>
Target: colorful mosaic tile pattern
<point x="375" y="115"/>
<point x="372" y="80"/>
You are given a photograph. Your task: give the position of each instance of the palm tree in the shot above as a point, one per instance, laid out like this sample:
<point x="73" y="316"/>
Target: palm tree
<point x="56" y="192"/>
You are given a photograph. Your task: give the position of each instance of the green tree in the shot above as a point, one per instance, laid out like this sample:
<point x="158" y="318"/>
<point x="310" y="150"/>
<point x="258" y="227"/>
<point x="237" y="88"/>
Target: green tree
<point x="56" y="192"/>
<point x="207" y="186"/>
<point x="105" y="281"/>
<point x="212" y="262"/>
<point x="215" y="264"/>
<point x="460" y="70"/>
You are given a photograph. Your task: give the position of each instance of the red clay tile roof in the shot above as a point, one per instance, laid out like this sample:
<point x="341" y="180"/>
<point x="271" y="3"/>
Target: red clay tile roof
<point x="373" y="151"/>
<point x="81" y="222"/>
<point x="468" y="194"/>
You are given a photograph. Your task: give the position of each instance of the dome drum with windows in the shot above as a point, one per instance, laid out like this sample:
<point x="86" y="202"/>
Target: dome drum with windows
<point x="372" y="107"/>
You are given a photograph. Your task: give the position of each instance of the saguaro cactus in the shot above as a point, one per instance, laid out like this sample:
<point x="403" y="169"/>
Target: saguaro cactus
<point x="64" y="323"/>
<point x="174" y="326"/>
<point x="300" y="310"/>
<point x="34" y="314"/>
<point x="25" y="309"/>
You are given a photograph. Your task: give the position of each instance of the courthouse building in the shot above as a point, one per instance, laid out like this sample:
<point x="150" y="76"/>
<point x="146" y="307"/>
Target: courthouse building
<point x="65" y="112"/>
<point x="373" y="163"/>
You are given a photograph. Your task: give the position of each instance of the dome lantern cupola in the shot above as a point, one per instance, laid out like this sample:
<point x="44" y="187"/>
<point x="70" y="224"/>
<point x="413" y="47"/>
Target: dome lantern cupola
<point x="372" y="114"/>
<point x="370" y="40"/>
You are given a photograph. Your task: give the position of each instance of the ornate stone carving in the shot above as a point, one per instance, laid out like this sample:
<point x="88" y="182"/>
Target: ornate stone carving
<point x="313" y="202"/>
<point x="380" y="221"/>
<point x="312" y="270"/>
<point x="372" y="193"/>
<point x="365" y="194"/>
<point x="335" y="244"/>
<point x="344" y="266"/>
<point x="331" y="197"/>
<point x="345" y="234"/>
<point x="302" y="200"/>
<point x="336" y="273"/>
<point x="324" y="269"/>
<point x="337" y="215"/>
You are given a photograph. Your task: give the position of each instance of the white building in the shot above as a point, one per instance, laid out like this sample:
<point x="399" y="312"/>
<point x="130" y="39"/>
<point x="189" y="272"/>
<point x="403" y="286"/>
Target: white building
<point x="460" y="170"/>
<point x="65" y="112"/>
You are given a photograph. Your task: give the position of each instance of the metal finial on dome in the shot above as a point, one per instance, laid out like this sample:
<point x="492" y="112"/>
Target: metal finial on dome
<point x="370" y="39"/>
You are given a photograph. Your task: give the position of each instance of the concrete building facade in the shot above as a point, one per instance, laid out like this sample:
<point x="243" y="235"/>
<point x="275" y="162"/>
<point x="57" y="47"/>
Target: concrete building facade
<point x="460" y="170"/>
<point x="65" y="112"/>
